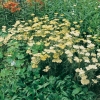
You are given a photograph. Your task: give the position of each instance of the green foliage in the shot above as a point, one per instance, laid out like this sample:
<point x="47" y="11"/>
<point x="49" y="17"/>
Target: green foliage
<point x="8" y="18"/>
<point x="26" y="83"/>
<point x="23" y="45"/>
<point x="75" y="10"/>
<point x="52" y="45"/>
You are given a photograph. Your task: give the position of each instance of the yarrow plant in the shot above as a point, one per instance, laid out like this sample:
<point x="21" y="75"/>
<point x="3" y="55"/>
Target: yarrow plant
<point x="52" y="45"/>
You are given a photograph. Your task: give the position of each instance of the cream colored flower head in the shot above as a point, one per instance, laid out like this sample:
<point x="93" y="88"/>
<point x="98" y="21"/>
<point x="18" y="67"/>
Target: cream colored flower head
<point x="91" y="67"/>
<point x="47" y="68"/>
<point x="85" y="81"/>
<point x="94" y="81"/>
<point x="98" y="76"/>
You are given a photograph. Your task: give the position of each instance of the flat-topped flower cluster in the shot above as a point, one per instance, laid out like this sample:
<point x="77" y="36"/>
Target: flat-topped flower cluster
<point x="53" y="42"/>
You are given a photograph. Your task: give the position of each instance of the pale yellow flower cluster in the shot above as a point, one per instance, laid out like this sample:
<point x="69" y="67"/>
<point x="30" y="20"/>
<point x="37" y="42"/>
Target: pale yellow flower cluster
<point x="58" y="40"/>
<point x="91" y="67"/>
<point x="6" y="39"/>
<point x="90" y="56"/>
<point x="84" y="79"/>
<point x="3" y="28"/>
<point x="47" y="68"/>
<point x="55" y="36"/>
<point x="35" y="61"/>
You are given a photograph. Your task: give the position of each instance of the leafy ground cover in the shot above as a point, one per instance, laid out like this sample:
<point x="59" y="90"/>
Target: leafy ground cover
<point x="50" y="50"/>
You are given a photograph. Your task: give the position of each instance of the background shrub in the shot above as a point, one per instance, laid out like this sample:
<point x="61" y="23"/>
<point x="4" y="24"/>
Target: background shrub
<point x="85" y="10"/>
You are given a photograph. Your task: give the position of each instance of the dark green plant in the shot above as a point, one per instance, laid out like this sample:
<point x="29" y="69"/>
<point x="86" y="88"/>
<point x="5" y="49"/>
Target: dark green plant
<point x="27" y="84"/>
<point x="75" y="10"/>
<point x="87" y="11"/>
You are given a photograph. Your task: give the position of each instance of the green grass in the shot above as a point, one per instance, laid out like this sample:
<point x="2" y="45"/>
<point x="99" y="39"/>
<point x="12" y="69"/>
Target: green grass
<point x="75" y="10"/>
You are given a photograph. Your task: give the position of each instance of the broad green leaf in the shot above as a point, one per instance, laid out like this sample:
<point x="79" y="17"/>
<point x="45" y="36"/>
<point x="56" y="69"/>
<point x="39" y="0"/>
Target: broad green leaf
<point x="4" y="73"/>
<point x="42" y="86"/>
<point x="19" y="63"/>
<point x="76" y="91"/>
<point x="20" y="56"/>
<point x="64" y="93"/>
<point x="14" y="97"/>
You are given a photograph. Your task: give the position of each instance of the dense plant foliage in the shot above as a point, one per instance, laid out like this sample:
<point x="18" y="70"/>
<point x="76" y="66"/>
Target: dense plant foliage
<point x="27" y="84"/>
<point x="53" y="45"/>
<point x="49" y="52"/>
<point x="86" y="10"/>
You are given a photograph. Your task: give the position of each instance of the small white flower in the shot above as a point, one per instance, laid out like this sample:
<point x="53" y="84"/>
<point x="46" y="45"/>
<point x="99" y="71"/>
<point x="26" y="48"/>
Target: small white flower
<point x="86" y="59"/>
<point x="87" y="54"/>
<point x="17" y="22"/>
<point x="84" y="76"/>
<point x="13" y="63"/>
<point x="98" y="54"/>
<point x="30" y="44"/>
<point x="77" y="70"/>
<point x="93" y="54"/>
<point x="3" y="27"/>
<point x="90" y="45"/>
<point x="88" y="41"/>
<point x="94" y="80"/>
<point x="75" y="33"/>
<point x="47" y="68"/>
<point x="69" y="53"/>
<point x="81" y="47"/>
<point x="98" y="76"/>
<point x="32" y="14"/>
<point x="82" y="72"/>
<point x="85" y="81"/>
<point x="77" y="59"/>
<point x="98" y="6"/>
<point x="91" y="67"/>
<point x="98" y="50"/>
<point x="94" y="60"/>
<point x="76" y="47"/>
<point x="74" y="5"/>
<point x="89" y="36"/>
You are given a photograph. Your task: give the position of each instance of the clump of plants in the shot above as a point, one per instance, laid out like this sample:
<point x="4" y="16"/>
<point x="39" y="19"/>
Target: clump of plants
<point x="88" y="11"/>
<point x="11" y="6"/>
<point x="12" y="10"/>
<point x="53" y="57"/>
<point x="55" y="46"/>
<point x="26" y="83"/>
